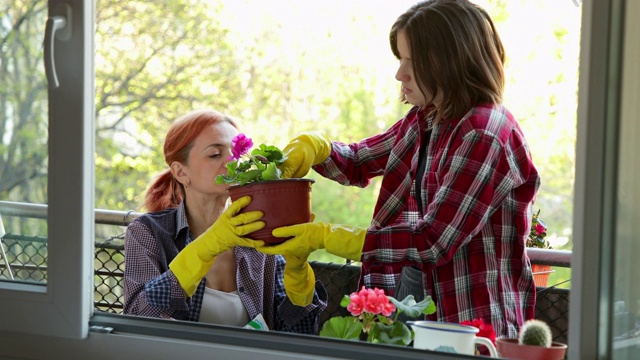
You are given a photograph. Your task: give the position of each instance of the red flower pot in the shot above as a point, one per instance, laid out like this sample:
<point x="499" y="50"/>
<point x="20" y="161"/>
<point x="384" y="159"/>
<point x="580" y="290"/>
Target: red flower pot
<point x="510" y="349"/>
<point x="283" y="202"/>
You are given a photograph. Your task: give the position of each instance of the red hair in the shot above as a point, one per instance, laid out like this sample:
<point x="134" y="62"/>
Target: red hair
<point x="166" y="192"/>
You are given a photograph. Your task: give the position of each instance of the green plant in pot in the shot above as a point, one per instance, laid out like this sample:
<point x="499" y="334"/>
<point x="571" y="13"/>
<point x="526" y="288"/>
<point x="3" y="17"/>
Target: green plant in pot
<point x="534" y="342"/>
<point x="374" y="317"/>
<point x="538" y="239"/>
<point x="536" y="333"/>
<point x="537" y="235"/>
<point x="255" y="173"/>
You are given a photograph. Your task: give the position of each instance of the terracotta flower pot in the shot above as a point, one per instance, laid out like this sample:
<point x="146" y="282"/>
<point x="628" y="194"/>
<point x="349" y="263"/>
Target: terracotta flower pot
<point x="283" y="202"/>
<point x="510" y="349"/>
<point x="541" y="274"/>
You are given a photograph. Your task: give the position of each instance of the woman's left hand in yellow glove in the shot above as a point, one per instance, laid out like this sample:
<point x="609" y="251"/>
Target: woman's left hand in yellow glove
<point x="340" y="240"/>
<point x="299" y="281"/>
<point x="193" y="262"/>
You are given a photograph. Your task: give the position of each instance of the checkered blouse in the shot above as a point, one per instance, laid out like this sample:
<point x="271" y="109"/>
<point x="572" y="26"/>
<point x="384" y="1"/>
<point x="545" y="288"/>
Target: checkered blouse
<point x="151" y="289"/>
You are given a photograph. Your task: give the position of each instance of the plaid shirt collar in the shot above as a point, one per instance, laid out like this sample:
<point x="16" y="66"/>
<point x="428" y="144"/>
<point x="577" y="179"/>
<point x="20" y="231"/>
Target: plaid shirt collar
<point x="182" y="225"/>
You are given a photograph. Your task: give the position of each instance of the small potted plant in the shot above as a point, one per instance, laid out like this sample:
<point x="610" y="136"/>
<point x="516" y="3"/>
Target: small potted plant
<point x="537" y="235"/>
<point x="533" y="343"/>
<point x="283" y="202"/>
<point x="537" y="239"/>
<point x="371" y="320"/>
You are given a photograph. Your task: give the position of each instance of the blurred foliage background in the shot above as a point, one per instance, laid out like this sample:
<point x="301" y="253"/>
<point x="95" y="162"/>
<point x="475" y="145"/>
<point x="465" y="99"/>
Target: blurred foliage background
<point x="280" y="67"/>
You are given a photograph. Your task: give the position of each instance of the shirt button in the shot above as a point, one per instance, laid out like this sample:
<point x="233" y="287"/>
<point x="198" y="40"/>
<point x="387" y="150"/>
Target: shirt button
<point x="241" y="289"/>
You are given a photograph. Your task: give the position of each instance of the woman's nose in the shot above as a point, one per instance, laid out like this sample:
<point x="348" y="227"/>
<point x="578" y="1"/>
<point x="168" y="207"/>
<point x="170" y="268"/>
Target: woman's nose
<point x="402" y="75"/>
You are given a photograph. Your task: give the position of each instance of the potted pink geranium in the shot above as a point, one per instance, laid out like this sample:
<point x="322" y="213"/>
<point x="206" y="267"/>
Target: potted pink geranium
<point x="255" y="173"/>
<point x="261" y="164"/>
<point x="374" y="317"/>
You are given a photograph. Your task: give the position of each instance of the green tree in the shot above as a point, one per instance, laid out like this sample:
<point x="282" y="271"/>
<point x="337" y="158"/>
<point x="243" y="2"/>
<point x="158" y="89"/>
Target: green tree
<point x="23" y="105"/>
<point x="154" y="62"/>
<point x="23" y="112"/>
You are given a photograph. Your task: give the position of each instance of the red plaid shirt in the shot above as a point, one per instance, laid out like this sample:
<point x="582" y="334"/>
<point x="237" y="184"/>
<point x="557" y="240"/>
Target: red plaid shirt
<point x="469" y="236"/>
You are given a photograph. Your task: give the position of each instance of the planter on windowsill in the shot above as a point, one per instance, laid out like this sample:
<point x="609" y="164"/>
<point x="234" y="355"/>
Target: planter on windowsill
<point x="510" y="349"/>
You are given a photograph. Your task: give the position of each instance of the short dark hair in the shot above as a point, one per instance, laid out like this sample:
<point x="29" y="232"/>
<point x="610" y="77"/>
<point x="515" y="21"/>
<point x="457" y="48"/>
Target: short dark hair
<point x="455" y="49"/>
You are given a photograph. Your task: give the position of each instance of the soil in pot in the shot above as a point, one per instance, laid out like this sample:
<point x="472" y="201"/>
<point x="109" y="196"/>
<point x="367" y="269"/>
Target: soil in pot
<point x="283" y="202"/>
<point x="510" y="349"/>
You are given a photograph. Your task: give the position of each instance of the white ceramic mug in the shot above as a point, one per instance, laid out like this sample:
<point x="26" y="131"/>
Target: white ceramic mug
<point x="448" y="337"/>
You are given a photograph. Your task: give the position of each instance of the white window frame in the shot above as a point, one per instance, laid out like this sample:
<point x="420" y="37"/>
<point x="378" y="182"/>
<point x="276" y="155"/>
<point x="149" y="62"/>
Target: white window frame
<point x="602" y="44"/>
<point x="56" y="316"/>
<point x="62" y="307"/>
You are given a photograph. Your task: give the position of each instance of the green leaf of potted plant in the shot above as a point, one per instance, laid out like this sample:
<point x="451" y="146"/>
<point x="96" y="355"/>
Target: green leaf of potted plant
<point x="370" y="317"/>
<point x="538" y="239"/>
<point x="537" y="235"/>
<point x="283" y="202"/>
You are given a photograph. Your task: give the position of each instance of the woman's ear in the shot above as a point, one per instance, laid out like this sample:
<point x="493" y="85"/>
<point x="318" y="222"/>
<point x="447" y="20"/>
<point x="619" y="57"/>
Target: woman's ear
<point x="180" y="173"/>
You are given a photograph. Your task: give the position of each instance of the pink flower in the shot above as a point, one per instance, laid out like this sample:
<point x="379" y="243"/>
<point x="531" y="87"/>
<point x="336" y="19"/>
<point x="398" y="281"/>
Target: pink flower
<point x="540" y="229"/>
<point x="372" y="301"/>
<point x="486" y="330"/>
<point x="372" y="310"/>
<point x="356" y="306"/>
<point x="388" y="309"/>
<point x="241" y="144"/>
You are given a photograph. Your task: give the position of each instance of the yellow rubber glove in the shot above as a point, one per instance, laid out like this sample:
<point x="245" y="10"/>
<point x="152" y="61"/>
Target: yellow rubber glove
<point x="193" y="262"/>
<point x="340" y="240"/>
<point x="304" y="151"/>
<point x="299" y="281"/>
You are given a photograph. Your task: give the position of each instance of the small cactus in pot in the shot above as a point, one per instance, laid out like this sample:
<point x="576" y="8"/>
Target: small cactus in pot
<point x="535" y="332"/>
<point x="533" y="343"/>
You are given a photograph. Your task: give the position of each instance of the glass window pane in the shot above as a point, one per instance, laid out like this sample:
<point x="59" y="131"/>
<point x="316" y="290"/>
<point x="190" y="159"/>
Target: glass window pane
<point x="626" y="296"/>
<point x="626" y="268"/>
<point x="281" y="71"/>
<point x="23" y="142"/>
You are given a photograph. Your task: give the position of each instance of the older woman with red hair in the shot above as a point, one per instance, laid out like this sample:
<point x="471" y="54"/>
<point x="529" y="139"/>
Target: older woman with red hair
<point x="187" y="259"/>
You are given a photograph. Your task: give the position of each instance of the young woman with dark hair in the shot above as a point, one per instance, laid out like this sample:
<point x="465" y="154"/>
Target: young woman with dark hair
<point x="458" y="180"/>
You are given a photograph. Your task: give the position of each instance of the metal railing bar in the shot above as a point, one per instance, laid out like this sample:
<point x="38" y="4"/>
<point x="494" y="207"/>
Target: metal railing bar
<point x="39" y="211"/>
<point x="551" y="257"/>
<point x="25" y="267"/>
<point x="28" y="238"/>
<point x="114" y="274"/>
<point x="561" y="258"/>
<point x="107" y="244"/>
<point x="105" y="304"/>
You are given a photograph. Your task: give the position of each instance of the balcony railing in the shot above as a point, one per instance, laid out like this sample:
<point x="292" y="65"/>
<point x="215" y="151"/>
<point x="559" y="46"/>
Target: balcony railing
<point x="23" y="257"/>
